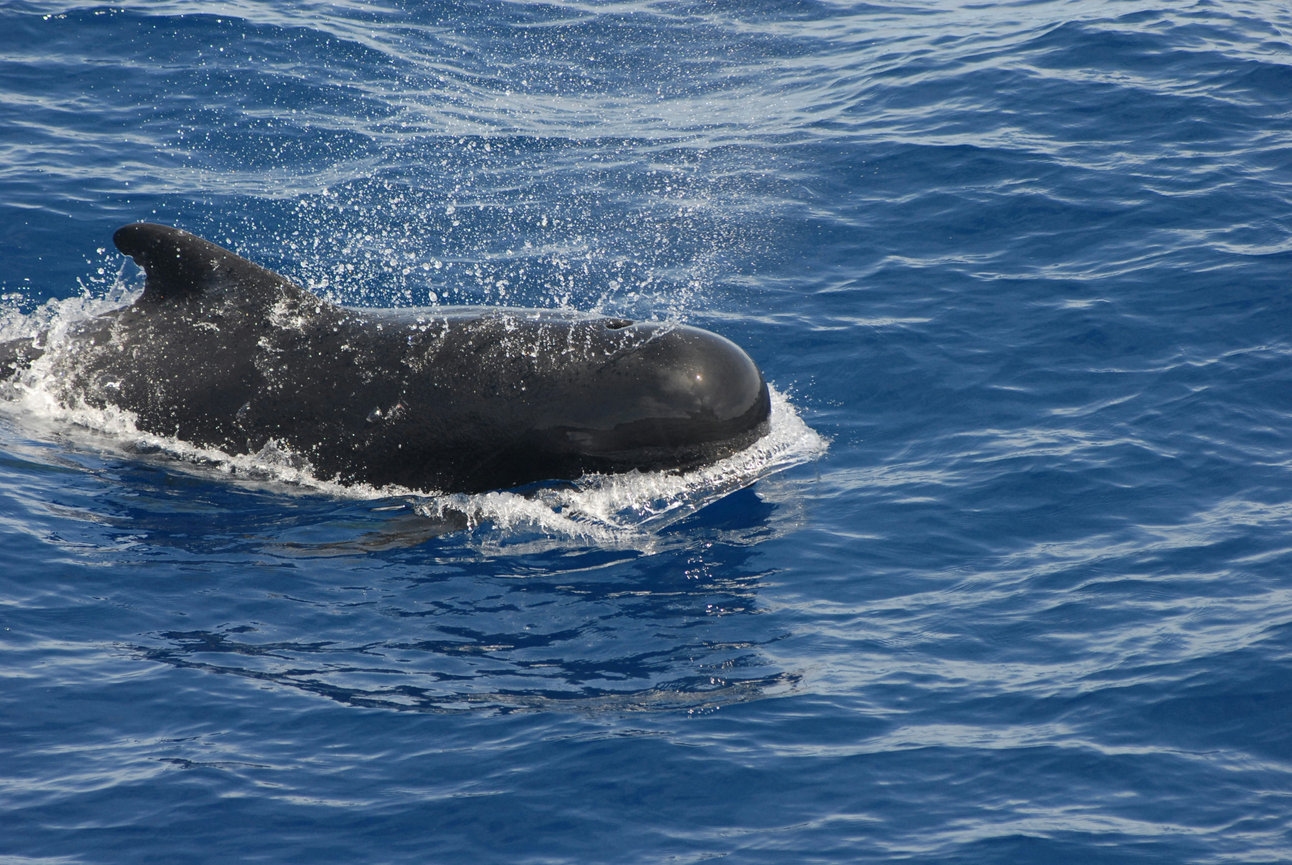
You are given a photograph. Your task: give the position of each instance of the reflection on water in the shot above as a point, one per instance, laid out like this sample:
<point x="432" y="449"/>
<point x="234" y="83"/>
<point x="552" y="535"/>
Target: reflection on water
<point x="446" y="629"/>
<point x="376" y="686"/>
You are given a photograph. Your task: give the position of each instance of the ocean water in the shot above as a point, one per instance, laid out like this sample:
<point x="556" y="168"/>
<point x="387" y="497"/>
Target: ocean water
<point x="1010" y="583"/>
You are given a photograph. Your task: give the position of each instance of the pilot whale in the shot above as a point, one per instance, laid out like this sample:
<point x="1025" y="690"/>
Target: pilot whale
<point x="222" y="353"/>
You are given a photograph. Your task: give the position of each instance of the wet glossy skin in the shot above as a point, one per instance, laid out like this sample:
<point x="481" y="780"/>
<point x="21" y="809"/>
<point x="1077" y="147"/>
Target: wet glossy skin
<point x="223" y="353"/>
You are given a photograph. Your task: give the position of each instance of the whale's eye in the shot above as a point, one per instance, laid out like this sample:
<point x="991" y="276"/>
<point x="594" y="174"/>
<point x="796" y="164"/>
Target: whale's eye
<point x="617" y="323"/>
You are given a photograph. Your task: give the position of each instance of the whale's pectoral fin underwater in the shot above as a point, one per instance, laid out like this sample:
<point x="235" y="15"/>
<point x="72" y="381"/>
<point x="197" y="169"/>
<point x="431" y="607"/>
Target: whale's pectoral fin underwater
<point x="222" y="353"/>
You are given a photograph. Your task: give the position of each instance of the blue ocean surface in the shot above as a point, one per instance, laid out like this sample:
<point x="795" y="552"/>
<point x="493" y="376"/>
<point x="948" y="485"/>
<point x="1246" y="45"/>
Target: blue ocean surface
<point x="1010" y="582"/>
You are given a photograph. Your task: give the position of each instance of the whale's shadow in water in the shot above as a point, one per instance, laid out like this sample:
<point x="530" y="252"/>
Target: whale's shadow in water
<point x="441" y="628"/>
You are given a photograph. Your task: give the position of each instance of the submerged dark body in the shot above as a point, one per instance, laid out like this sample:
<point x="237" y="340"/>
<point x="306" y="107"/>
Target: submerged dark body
<point x="223" y="353"/>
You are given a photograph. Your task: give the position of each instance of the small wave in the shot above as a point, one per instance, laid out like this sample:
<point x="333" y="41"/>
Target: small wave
<point x="368" y="678"/>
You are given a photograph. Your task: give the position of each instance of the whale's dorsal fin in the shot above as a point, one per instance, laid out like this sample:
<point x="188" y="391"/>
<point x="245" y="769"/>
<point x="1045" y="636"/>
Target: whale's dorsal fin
<point x="183" y="266"/>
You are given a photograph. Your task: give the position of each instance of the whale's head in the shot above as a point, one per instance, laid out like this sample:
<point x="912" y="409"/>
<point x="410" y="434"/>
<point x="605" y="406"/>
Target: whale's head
<point x="520" y="396"/>
<point x="671" y="396"/>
